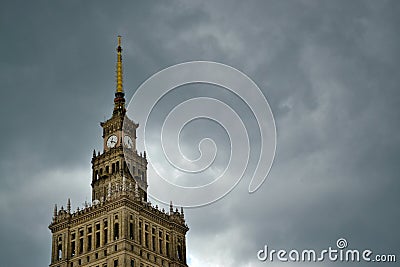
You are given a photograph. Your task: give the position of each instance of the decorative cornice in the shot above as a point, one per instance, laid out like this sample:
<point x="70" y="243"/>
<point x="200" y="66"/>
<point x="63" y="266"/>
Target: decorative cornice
<point x="65" y="220"/>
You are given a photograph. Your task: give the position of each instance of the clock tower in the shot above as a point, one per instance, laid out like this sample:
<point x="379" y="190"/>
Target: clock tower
<point x="119" y="163"/>
<point x="120" y="227"/>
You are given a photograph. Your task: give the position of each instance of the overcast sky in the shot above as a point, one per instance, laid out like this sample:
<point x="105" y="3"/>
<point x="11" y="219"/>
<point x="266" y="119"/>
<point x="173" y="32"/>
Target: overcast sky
<point x="330" y="72"/>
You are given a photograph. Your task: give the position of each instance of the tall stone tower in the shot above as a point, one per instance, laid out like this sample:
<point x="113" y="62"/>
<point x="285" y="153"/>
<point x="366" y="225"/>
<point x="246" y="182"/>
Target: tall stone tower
<point x="119" y="228"/>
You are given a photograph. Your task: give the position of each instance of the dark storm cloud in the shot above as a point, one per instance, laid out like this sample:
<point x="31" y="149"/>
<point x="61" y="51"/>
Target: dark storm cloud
<point x="328" y="68"/>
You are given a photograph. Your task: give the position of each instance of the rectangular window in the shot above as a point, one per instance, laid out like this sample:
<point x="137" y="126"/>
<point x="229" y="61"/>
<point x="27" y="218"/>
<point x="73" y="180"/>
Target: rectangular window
<point x="59" y="255"/>
<point x="132" y="263"/>
<point x="160" y="245"/>
<point x="115" y="263"/>
<point x="146" y="235"/>
<point x="105" y="236"/>
<point x="167" y="249"/>
<point x="97" y="239"/>
<point x="146" y="239"/>
<point x="116" y="231"/>
<point x="80" y="245"/>
<point x="179" y="252"/>
<point x="72" y="248"/>
<point x="140" y="233"/>
<point x="131" y="234"/>
<point x="160" y="242"/>
<point x="89" y="242"/>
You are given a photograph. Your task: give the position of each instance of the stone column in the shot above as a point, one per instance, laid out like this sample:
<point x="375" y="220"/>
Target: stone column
<point x="65" y="245"/>
<point x="123" y="224"/>
<point x="101" y="232"/>
<point x="54" y="249"/>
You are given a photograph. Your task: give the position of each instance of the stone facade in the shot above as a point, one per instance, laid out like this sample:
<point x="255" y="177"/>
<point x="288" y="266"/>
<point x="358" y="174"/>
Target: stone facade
<point x="120" y="228"/>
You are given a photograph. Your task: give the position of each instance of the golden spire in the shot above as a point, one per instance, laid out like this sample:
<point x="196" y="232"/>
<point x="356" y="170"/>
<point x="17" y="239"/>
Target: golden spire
<point x="119" y="88"/>
<point x="119" y="100"/>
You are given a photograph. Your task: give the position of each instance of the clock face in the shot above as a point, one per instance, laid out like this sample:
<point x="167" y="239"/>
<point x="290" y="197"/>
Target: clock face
<point x="112" y="141"/>
<point x="128" y="141"/>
